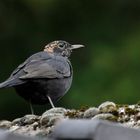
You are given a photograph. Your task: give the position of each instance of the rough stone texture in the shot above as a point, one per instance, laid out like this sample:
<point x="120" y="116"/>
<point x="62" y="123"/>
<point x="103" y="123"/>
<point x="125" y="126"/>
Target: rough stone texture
<point x="105" y="116"/>
<point x="5" y="124"/>
<point x="33" y="125"/>
<point x="107" y="107"/>
<point x="91" y="112"/>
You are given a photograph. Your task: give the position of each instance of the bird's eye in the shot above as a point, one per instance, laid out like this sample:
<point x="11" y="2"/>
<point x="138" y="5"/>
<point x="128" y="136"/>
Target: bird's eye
<point x="61" y="45"/>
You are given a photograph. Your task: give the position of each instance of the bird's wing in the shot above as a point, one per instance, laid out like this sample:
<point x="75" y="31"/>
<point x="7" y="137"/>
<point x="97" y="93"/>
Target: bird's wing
<point x="50" y="68"/>
<point x="18" y="68"/>
<point x="34" y="57"/>
<point x="39" y="65"/>
<point x="14" y="80"/>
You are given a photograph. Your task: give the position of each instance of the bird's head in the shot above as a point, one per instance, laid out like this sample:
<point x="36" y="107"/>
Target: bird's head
<point x="61" y="47"/>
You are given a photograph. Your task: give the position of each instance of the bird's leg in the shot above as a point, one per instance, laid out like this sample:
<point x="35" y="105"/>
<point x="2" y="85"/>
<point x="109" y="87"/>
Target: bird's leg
<point x="31" y="107"/>
<point x="50" y="100"/>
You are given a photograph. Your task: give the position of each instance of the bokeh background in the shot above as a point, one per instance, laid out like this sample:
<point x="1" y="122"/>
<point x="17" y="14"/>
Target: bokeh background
<point x="108" y="68"/>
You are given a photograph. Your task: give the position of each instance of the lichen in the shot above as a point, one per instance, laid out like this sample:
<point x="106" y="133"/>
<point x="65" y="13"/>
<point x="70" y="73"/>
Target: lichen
<point x="130" y="111"/>
<point x="72" y="114"/>
<point x="84" y="108"/>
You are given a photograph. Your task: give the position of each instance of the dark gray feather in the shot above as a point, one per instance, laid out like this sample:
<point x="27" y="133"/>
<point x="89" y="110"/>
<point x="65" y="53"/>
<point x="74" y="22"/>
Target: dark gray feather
<point x="39" y="65"/>
<point x="51" y="68"/>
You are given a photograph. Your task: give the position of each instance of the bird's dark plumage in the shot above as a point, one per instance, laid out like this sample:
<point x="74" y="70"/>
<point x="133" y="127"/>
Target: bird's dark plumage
<point x="44" y="74"/>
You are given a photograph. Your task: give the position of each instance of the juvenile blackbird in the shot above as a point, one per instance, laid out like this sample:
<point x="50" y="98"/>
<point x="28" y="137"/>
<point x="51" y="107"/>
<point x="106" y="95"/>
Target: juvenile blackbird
<point x="45" y="76"/>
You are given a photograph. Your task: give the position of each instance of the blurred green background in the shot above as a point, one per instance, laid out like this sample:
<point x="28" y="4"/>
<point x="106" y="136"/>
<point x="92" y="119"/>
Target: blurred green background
<point x="108" y="68"/>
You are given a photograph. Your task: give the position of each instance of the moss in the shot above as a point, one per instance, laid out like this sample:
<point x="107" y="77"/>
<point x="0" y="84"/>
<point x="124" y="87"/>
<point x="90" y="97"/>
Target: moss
<point x="106" y="116"/>
<point x="110" y="109"/>
<point x="138" y="103"/>
<point x="123" y="105"/>
<point x="72" y="114"/>
<point x="84" y="108"/>
<point x="113" y="119"/>
<point x="76" y="113"/>
<point x="130" y="111"/>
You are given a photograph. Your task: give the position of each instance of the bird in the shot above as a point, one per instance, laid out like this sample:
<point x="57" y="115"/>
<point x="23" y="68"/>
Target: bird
<point x="45" y="76"/>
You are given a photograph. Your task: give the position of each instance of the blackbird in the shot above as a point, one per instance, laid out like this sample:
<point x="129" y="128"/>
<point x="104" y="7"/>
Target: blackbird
<point x="45" y="76"/>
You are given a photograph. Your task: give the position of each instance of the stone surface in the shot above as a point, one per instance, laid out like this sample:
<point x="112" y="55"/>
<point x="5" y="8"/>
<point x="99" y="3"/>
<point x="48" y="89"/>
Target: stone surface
<point x="105" y="116"/>
<point x="91" y="112"/>
<point x="52" y="116"/>
<point x="107" y="107"/>
<point x="33" y="125"/>
<point x="55" y="110"/>
<point x="51" y="119"/>
<point x="93" y="130"/>
<point x="5" y="124"/>
<point x="26" y="120"/>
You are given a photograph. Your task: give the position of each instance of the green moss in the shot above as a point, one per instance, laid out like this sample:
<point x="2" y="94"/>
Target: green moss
<point x="72" y="114"/>
<point x="113" y="118"/>
<point x="138" y="103"/>
<point x="76" y="113"/>
<point x="122" y="105"/>
<point x="110" y="109"/>
<point x="84" y="108"/>
<point x="130" y="111"/>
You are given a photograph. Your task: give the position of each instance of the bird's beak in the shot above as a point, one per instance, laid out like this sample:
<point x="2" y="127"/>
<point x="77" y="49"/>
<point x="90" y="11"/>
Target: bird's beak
<point x="76" y="46"/>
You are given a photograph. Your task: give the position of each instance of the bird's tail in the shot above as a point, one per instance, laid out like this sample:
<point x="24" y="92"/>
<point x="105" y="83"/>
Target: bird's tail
<point x="4" y="84"/>
<point x="11" y="83"/>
